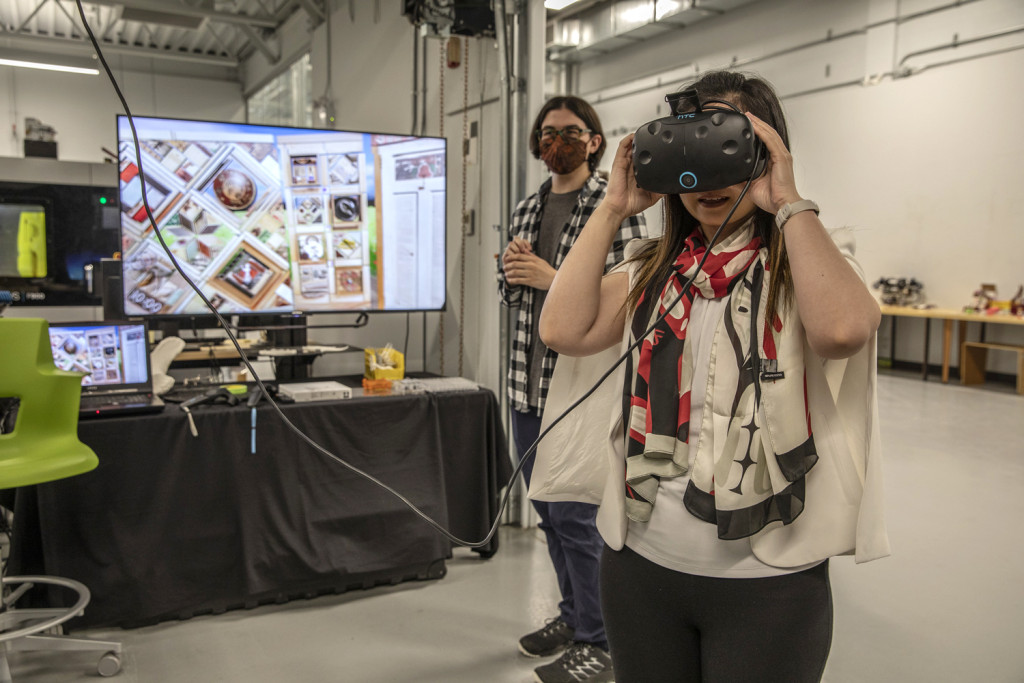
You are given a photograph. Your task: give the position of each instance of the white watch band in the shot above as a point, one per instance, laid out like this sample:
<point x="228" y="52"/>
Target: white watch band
<point x="789" y="210"/>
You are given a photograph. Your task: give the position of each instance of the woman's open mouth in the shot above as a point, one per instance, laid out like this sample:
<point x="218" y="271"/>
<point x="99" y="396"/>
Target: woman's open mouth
<point x="712" y="202"/>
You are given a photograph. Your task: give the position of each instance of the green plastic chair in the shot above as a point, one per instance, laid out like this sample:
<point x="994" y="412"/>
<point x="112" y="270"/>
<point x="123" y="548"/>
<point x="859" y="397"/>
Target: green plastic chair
<point x="42" y="447"/>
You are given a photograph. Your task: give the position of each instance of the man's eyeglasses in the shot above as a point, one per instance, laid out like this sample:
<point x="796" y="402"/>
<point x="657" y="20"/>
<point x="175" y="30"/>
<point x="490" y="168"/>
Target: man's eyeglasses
<point x="567" y="133"/>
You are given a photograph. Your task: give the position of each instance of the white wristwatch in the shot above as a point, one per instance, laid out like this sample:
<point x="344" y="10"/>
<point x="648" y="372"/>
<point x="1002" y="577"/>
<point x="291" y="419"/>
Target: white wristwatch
<point x="787" y="211"/>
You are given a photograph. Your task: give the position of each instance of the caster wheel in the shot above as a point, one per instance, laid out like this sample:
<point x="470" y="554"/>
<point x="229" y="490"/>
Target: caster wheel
<point x="110" y="664"/>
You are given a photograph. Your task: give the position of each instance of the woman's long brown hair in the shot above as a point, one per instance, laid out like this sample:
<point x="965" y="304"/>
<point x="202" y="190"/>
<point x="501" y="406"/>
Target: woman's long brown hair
<point x="656" y="259"/>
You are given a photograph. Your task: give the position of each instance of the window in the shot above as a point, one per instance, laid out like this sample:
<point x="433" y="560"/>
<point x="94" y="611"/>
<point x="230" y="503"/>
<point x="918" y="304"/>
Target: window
<point x="285" y="101"/>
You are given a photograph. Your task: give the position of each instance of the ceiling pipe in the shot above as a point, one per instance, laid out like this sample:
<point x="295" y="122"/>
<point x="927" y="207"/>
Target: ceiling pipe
<point x="173" y="9"/>
<point x="605" y="27"/>
<point x="74" y="46"/>
<point x="955" y="43"/>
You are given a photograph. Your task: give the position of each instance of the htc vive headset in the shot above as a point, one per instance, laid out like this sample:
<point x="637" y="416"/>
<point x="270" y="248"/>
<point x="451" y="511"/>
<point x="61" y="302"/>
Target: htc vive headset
<point x="697" y="150"/>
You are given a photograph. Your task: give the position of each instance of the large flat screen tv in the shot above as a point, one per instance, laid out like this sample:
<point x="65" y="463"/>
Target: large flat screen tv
<point x="272" y="219"/>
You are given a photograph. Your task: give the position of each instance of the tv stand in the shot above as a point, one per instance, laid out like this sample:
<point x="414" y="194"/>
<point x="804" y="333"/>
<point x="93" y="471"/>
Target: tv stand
<point x="288" y="331"/>
<point x="285" y="332"/>
<point x="179" y="326"/>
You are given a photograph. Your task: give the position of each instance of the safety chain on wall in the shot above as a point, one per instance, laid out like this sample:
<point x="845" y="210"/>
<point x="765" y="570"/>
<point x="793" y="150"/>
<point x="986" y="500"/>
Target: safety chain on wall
<point x="442" y="58"/>
<point x="464" y="221"/>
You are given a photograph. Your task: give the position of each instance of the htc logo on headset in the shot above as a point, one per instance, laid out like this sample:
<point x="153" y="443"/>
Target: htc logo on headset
<point x="685" y="116"/>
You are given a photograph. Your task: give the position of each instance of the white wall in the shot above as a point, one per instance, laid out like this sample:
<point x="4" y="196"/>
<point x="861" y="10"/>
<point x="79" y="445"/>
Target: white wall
<point x="925" y="168"/>
<point x="82" y="108"/>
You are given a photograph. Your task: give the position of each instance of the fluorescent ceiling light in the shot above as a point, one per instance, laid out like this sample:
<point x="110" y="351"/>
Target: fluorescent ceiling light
<point x="48" y="67"/>
<point x="638" y="15"/>
<point x="666" y="7"/>
<point x="558" y="4"/>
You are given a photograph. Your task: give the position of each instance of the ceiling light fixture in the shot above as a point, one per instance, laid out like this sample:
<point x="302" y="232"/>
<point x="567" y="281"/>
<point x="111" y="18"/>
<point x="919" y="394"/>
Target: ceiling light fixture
<point x="558" y="4"/>
<point x="48" y="67"/>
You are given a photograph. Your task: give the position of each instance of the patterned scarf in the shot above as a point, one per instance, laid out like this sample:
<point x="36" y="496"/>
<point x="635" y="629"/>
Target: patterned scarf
<point x="759" y="461"/>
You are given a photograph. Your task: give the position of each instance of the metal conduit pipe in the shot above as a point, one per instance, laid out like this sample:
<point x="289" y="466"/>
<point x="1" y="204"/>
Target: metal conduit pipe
<point x="904" y="73"/>
<point x="479" y="105"/>
<point x="521" y="119"/>
<point x="955" y="43"/>
<point x="967" y="58"/>
<point x="504" y="194"/>
<point x="505" y="105"/>
<point x="415" y="80"/>
<point x="829" y="38"/>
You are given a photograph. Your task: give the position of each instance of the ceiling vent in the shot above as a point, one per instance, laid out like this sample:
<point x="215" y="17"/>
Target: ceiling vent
<point x="190" y="17"/>
<point x="610" y="26"/>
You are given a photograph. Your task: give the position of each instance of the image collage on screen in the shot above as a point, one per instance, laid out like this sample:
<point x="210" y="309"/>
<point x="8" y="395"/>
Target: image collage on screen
<point x="107" y="354"/>
<point x="334" y="221"/>
<point x="219" y="208"/>
<point x="261" y="219"/>
<point x="99" y="351"/>
<point x="98" y="354"/>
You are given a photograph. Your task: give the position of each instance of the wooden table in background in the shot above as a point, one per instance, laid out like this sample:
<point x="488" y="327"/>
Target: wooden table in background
<point x="947" y="316"/>
<point x="290" y="363"/>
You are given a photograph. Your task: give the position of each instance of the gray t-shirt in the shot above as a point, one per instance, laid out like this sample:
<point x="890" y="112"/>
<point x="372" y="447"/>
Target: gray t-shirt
<point x="557" y="211"/>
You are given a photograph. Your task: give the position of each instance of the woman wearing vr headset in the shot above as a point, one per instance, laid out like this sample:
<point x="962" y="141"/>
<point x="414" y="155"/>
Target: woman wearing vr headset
<point x="567" y="137"/>
<point x="749" y="454"/>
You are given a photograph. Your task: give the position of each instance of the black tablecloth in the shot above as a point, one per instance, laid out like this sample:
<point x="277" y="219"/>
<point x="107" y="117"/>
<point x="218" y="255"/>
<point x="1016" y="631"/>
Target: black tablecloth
<point x="170" y="525"/>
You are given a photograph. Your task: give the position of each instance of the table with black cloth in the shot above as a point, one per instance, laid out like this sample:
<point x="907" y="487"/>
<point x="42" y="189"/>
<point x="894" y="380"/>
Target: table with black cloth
<point x="170" y="525"/>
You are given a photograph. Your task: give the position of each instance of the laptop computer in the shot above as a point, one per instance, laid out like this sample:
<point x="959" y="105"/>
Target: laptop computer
<point x="115" y="356"/>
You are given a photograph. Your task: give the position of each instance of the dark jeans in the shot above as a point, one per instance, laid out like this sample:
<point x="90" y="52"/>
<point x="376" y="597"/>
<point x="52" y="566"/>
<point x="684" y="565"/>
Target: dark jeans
<point x="667" y="626"/>
<point x="573" y="543"/>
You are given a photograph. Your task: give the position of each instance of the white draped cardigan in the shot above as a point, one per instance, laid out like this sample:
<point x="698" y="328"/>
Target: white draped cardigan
<point x="844" y="507"/>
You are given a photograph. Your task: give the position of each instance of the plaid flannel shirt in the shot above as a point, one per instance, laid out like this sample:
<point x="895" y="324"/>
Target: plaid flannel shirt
<point x="526" y="225"/>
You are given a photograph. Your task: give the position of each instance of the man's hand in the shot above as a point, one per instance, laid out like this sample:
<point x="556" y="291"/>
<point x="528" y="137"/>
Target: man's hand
<point x="517" y="246"/>
<point x="524" y="268"/>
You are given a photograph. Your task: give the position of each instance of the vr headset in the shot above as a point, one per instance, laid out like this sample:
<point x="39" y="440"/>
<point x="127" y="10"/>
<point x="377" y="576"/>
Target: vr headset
<point x="696" y="150"/>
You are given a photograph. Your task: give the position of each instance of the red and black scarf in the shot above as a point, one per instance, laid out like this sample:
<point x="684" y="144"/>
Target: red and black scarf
<point x="658" y="411"/>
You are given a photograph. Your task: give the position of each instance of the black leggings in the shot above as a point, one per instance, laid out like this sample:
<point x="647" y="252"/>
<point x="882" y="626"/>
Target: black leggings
<point x="666" y="626"/>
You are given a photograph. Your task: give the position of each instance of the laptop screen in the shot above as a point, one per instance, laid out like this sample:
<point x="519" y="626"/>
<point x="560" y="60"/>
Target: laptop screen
<point x="114" y="355"/>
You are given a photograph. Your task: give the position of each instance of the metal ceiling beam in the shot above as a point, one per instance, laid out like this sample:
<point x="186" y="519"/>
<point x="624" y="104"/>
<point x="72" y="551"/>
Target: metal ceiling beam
<point x="75" y="20"/>
<point x="313" y="10"/>
<point x="262" y="6"/>
<point x="113" y="16"/>
<point x="30" y="42"/>
<point x="286" y="10"/>
<point x="29" y="17"/>
<point x="256" y="39"/>
<point x="173" y="8"/>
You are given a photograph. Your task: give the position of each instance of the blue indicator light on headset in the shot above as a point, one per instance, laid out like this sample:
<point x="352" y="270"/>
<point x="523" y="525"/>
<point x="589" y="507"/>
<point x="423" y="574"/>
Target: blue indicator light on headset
<point x="687" y="180"/>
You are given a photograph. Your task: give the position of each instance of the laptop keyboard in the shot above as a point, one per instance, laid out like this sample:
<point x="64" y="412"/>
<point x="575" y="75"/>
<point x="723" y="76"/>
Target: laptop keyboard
<point x="182" y="394"/>
<point x="113" y="399"/>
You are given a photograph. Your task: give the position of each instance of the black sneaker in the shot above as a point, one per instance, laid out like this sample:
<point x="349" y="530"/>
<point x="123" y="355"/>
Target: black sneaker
<point x="580" y="662"/>
<point x="554" y="637"/>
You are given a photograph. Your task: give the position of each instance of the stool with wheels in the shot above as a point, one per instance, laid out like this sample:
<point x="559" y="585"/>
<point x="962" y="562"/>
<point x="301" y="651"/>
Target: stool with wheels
<point x="43" y="446"/>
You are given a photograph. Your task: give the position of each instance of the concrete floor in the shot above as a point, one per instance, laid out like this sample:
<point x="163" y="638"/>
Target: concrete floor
<point x="947" y="606"/>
